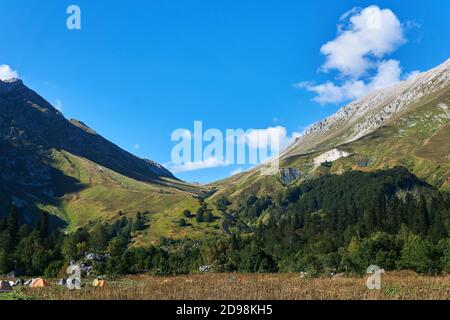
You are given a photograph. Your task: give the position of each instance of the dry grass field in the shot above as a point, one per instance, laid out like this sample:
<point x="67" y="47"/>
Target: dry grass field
<point x="395" y="285"/>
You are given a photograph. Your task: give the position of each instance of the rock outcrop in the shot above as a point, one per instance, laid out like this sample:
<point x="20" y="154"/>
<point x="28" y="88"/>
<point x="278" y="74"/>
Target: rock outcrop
<point x="289" y="175"/>
<point x="330" y="156"/>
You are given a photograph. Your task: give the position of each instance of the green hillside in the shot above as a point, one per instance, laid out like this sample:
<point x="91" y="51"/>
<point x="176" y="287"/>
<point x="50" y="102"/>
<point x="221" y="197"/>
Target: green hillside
<point x="104" y="196"/>
<point x="417" y="138"/>
<point x="63" y="167"/>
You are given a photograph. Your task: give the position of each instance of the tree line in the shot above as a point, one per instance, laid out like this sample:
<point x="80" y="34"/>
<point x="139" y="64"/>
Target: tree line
<point x="345" y="223"/>
<point x="331" y="224"/>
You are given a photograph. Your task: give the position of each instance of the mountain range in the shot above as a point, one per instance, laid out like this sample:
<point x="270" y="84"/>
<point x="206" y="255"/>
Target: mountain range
<point x="49" y="163"/>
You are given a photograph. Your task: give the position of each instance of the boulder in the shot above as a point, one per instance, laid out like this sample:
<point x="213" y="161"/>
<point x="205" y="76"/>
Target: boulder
<point x="205" y="268"/>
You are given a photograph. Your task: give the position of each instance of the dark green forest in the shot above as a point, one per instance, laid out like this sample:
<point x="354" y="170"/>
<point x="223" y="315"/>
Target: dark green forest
<point x="334" y="223"/>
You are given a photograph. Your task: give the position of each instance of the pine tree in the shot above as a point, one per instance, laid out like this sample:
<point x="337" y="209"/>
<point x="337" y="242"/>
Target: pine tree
<point x="44" y="226"/>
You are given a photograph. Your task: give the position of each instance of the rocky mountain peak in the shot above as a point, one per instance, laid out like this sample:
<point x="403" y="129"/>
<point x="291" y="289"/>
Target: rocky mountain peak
<point x="368" y="113"/>
<point x="30" y="123"/>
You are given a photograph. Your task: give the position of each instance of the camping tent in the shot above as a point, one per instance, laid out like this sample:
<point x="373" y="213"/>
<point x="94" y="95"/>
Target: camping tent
<point x="99" y="283"/>
<point x="38" y="283"/>
<point x="19" y="282"/>
<point x="28" y="282"/>
<point x="5" y="286"/>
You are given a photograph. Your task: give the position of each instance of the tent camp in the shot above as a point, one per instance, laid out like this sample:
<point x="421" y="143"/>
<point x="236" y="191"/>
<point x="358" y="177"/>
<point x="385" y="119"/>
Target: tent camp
<point x="99" y="283"/>
<point x="38" y="283"/>
<point x="19" y="282"/>
<point x="5" y="286"/>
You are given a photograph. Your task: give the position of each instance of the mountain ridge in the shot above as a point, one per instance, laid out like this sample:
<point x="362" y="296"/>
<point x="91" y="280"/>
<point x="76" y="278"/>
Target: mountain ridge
<point x="391" y="100"/>
<point x="63" y="167"/>
<point x="395" y="126"/>
<point x="49" y="124"/>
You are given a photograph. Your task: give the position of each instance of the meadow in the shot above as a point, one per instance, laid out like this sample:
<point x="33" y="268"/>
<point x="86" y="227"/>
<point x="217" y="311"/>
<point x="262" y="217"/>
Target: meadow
<point x="404" y="285"/>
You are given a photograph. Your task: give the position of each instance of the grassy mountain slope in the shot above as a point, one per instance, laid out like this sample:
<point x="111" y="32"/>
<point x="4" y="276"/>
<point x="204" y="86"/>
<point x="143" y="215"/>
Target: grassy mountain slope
<point x="416" y="139"/>
<point x="49" y="163"/>
<point x="63" y="167"/>
<point x="104" y="193"/>
<point x="409" y="127"/>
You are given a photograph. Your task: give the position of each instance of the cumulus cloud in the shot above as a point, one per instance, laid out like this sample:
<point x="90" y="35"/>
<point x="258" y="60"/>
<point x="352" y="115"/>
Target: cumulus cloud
<point x="237" y="171"/>
<point x="358" y="53"/>
<point x="388" y="73"/>
<point x="362" y="35"/>
<point x="262" y="138"/>
<point x="267" y="143"/>
<point x="325" y="93"/>
<point x="412" y="75"/>
<point x="6" y="73"/>
<point x="211" y="162"/>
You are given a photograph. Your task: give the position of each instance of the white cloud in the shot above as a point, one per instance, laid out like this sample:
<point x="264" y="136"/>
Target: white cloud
<point x="365" y="37"/>
<point x="262" y="138"/>
<point x="272" y="139"/>
<point x="258" y="138"/>
<point x="326" y="93"/>
<point x="6" y="73"/>
<point x="204" y="164"/>
<point x="59" y="105"/>
<point x="412" y="74"/>
<point x="388" y="73"/>
<point x="137" y="146"/>
<point x="237" y="171"/>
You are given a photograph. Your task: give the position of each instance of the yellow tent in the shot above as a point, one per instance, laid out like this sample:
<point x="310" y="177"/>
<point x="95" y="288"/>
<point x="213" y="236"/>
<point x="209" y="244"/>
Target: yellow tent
<point x="99" y="283"/>
<point x="38" y="283"/>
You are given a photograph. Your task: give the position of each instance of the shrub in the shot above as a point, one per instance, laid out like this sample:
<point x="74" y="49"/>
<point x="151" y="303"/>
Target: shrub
<point x="416" y="255"/>
<point x="53" y="269"/>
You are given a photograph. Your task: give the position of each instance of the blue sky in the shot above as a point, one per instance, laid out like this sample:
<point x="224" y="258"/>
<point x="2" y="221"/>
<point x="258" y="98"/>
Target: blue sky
<point x="137" y="70"/>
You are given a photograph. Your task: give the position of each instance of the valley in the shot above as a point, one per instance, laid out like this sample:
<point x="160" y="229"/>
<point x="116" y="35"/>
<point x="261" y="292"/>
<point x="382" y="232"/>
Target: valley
<point x="368" y="185"/>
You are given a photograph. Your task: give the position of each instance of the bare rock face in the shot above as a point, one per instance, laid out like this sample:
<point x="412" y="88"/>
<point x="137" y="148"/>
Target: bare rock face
<point x="289" y="175"/>
<point x="330" y="156"/>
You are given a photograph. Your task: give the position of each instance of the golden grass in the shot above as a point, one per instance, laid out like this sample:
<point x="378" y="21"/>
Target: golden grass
<point x="397" y="285"/>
